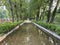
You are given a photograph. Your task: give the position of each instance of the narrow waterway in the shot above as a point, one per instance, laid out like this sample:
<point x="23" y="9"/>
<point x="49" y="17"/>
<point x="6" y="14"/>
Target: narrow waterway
<point x="27" y="34"/>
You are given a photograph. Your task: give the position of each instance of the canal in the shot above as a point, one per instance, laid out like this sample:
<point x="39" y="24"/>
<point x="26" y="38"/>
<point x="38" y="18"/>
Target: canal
<point x="27" y="34"/>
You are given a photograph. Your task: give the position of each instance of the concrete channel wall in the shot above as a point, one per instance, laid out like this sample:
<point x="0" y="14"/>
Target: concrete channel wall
<point x="54" y="36"/>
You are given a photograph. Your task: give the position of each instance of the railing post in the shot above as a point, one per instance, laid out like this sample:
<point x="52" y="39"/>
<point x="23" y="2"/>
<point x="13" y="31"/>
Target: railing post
<point x="54" y="42"/>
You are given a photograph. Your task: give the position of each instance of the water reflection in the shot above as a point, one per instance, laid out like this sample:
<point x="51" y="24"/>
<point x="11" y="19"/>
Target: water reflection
<point x="27" y="34"/>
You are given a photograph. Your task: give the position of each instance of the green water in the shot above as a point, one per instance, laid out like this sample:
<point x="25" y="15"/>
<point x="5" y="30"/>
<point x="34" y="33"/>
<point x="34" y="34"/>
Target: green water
<point x="27" y="34"/>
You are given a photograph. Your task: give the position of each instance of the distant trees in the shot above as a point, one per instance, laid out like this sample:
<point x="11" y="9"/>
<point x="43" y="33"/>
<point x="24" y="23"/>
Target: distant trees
<point x="46" y="7"/>
<point x="3" y="13"/>
<point x="35" y="9"/>
<point x="15" y="9"/>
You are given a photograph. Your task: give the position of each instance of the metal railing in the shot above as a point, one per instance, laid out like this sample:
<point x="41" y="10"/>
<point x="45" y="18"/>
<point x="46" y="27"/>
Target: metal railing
<point x="55" y="38"/>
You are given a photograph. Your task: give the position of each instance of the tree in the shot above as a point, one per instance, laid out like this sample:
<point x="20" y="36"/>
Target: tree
<point x="20" y="9"/>
<point x="11" y="10"/>
<point x="15" y="6"/>
<point x="54" y="12"/>
<point x="49" y="10"/>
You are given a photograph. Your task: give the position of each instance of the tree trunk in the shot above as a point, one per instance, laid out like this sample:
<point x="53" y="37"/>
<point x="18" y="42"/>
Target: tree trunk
<point x="11" y="10"/>
<point x="42" y="14"/>
<point x="37" y="16"/>
<point x="54" y="13"/>
<point x="15" y="6"/>
<point x="20" y="9"/>
<point x="49" y="10"/>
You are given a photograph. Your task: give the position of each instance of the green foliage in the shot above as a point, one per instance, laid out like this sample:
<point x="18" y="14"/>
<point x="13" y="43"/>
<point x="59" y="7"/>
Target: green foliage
<point x="49" y="26"/>
<point x="3" y="13"/>
<point x="58" y="10"/>
<point x="7" y="26"/>
<point x="57" y="18"/>
<point x="57" y="30"/>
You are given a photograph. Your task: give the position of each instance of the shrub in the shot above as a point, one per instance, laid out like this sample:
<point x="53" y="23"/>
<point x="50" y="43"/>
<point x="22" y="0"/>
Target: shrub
<point x="7" y="26"/>
<point x="57" y="30"/>
<point x="49" y="26"/>
<point x="52" y="27"/>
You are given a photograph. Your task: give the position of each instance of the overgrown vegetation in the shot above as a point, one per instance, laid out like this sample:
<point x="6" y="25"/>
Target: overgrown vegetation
<point x="7" y="26"/>
<point x="50" y="26"/>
